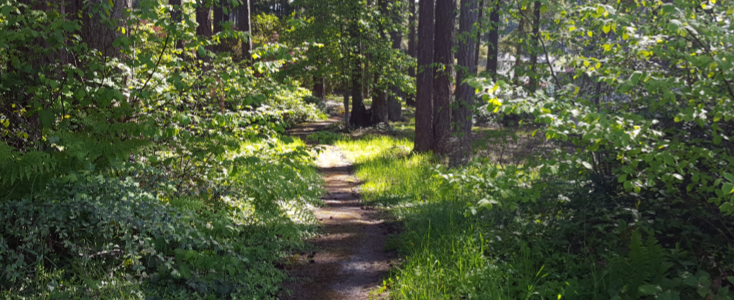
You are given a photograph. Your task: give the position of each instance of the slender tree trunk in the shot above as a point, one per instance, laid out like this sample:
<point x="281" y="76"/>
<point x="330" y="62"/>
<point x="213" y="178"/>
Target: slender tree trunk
<point x="442" y="83"/>
<point x="410" y="99"/>
<point x="462" y="114"/>
<point x="394" y="107"/>
<point x="493" y="40"/>
<point x="534" y="53"/>
<point x="244" y="19"/>
<point x="480" y="21"/>
<point x="518" y="48"/>
<point x="176" y="17"/>
<point x="346" y="109"/>
<point x="424" y="92"/>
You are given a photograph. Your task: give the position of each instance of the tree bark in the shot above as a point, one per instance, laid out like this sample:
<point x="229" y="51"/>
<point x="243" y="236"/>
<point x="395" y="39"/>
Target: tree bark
<point x="424" y="93"/>
<point x="462" y="113"/>
<point x="218" y="15"/>
<point x="394" y="110"/>
<point x="346" y="109"/>
<point x="493" y="39"/>
<point x="442" y="83"/>
<point x="100" y="32"/>
<point x="518" y="47"/>
<point x="534" y="53"/>
<point x="359" y="116"/>
<point x="380" y="102"/>
<point x="176" y="17"/>
<point x="480" y="21"/>
<point x="319" y="88"/>
<point x="410" y="99"/>
<point x="204" y="19"/>
<point x="244" y="19"/>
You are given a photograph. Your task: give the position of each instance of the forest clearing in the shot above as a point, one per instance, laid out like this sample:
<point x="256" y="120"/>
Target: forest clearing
<point x="366" y="149"/>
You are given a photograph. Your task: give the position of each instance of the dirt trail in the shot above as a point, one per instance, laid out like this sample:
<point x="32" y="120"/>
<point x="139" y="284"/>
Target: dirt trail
<point x="350" y="259"/>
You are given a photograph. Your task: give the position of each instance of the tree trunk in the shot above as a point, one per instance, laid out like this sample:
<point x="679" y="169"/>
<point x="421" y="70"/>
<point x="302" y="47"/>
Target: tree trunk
<point x="493" y="40"/>
<point x="99" y="30"/>
<point x="479" y="34"/>
<point x="244" y="19"/>
<point x="394" y="110"/>
<point x="319" y="88"/>
<point x="462" y="114"/>
<point x="410" y="99"/>
<point x="346" y="109"/>
<point x="204" y="19"/>
<point x="359" y="116"/>
<point x="218" y="15"/>
<point x="424" y="93"/>
<point x="380" y="112"/>
<point x="380" y="101"/>
<point x="518" y="48"/>
<point x="176" y="17"/>
<point x="442" y="83"/>
<point x="534" y="53"/>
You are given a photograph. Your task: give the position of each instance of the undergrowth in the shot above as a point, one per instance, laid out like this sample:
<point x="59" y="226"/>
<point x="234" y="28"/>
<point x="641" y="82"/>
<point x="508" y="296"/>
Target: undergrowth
<point x="569" y="241"/>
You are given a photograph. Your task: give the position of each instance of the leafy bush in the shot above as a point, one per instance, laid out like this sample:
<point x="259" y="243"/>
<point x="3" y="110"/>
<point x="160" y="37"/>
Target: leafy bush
<point x="165" y="240"/>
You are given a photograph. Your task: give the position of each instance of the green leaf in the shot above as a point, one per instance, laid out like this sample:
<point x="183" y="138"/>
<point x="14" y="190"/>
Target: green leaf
<point x="635" y="78"/>
<point x="729" y="177"/>
<point x="46" y="117"/>
<point x="201" y="50"/>
<point x="727" y="188"/>
<point x="668" y="8"/>
<point x="650" y="289"/>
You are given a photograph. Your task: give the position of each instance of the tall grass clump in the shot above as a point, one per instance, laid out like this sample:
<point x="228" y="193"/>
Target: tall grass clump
<point x="391" y="174"/>
<point x="489" y="231"/>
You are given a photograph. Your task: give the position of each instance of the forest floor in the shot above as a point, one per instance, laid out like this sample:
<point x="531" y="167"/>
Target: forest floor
<point x="349" y="259"/>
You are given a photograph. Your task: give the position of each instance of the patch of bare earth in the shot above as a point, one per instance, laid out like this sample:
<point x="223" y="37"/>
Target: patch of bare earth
<point x="350" y="259"/>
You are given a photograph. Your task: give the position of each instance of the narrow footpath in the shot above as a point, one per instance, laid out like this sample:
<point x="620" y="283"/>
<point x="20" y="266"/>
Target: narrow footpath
<point x="350" y="260"/>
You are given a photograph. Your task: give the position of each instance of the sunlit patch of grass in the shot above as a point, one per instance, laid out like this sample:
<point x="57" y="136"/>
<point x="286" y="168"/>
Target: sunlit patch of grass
<point x="391" y="174"/>
<point x="445" y="256"/>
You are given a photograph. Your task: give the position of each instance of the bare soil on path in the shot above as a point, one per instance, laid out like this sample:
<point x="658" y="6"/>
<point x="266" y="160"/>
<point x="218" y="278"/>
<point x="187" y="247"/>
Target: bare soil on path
<point x="350" y="259"/>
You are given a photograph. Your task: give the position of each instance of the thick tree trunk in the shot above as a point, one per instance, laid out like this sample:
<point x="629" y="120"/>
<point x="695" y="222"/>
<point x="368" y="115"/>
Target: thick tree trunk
<point x="410" y="99"/>
<point x="424" y="92"/>
<point x="534" y="53"/>
<point x="319" y="88"/>
<point x="359" y="116"/>
<point x="380" y="101"/>
<point x="218" y="15"/>
<point x="204" y="19"/>
<point x="480" y="21"/>
<point x="394" y="110"/>
<point x="99" y="30"/>
<point x="493" y="40"/>
<point x="380" y="112"/>
<point x="442" y="83"/>
<point x="462" y="114"/>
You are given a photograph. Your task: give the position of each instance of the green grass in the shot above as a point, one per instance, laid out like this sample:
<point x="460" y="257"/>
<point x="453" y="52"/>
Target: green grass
<point x="391" y="174"/>
<point x="542" y="249"/>
<point x="444" y="256"/>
